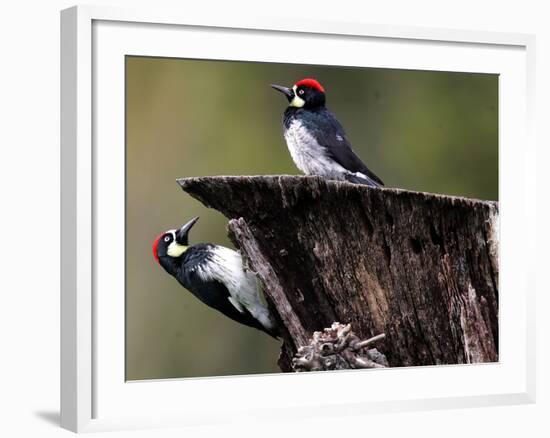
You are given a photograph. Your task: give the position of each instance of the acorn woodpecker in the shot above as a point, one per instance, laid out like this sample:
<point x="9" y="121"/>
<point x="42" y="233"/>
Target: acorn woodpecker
<point x="316" y="140"/>
<point x="215" y="275"/>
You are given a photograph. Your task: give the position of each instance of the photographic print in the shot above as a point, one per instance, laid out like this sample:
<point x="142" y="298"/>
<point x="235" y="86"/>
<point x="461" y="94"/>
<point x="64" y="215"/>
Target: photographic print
<point x="285" y="218"/>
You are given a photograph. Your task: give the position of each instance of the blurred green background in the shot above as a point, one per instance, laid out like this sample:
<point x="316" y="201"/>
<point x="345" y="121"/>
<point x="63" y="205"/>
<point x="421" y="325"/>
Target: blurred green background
<point x="428" y="131"/>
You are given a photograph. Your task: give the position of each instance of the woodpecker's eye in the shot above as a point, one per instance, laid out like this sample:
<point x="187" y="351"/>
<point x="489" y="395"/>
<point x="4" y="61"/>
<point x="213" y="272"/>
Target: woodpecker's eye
<point x="167" y="239"/>
<point x="300" y="92"/>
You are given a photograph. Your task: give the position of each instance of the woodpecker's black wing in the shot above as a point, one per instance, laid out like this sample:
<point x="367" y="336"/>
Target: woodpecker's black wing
<point x="330" y="134"/>
<point x="216" y="295"/>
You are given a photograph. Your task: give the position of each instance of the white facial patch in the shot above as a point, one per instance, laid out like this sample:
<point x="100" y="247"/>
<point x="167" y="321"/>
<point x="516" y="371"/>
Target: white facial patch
<point x="175" y="249"/>
<point x="297" y="102"/>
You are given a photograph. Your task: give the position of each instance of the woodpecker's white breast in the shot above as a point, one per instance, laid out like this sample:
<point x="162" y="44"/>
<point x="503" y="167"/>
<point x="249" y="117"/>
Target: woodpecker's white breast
<point x="226" y="266"/>
<point x="308" y="155"/>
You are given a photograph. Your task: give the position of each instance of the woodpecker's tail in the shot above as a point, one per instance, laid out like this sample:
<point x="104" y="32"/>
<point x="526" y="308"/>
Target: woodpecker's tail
<point x="359" y="178"/>
<point x="272" y="331"/>
<point x="266" y="322"/>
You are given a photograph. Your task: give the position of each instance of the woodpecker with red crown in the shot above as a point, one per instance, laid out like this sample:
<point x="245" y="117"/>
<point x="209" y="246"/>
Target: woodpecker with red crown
<point x="316" y="140"/>
<point x="215" y="275"/>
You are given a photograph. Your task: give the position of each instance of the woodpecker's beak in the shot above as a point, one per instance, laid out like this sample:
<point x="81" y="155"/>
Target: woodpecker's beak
<point x="288" y="92"/>
<point x="181" y="234"/>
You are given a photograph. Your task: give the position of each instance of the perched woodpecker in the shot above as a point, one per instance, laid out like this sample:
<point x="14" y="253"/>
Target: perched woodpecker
<point x="316" y="140"/>
<point x="215" y="275"/>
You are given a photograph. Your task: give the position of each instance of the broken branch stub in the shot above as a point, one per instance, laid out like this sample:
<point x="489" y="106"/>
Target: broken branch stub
<point x="338" y="348"/>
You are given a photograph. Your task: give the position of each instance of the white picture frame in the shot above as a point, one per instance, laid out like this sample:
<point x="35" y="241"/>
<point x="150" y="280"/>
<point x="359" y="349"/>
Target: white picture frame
<point x="94" y="395"/>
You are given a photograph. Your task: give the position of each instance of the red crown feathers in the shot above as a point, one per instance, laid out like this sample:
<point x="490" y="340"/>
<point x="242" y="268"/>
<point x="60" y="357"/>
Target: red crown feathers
<point x="311" y="83"/>
<point x="155" y="247"/>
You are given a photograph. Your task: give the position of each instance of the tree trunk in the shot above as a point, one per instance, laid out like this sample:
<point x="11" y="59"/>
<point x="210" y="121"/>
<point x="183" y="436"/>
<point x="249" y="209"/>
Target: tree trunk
<point x="421" y="268"/>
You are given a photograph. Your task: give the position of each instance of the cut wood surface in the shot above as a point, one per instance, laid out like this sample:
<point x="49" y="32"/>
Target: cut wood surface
<point x="421" y="268"/>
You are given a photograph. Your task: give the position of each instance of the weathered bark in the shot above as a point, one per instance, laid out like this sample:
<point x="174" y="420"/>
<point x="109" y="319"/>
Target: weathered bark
<point x="421" y="268"/>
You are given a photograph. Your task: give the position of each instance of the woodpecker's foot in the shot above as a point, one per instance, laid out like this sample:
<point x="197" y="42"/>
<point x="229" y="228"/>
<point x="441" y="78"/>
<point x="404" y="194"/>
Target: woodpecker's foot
<point x="338" y="348"/>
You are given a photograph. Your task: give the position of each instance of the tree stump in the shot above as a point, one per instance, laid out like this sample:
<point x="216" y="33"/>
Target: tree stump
<point x="421" y="268"/>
